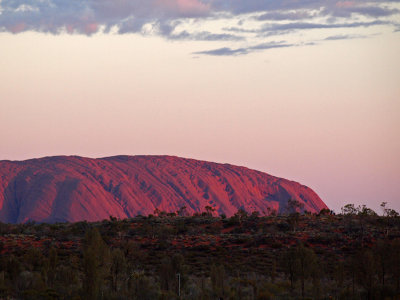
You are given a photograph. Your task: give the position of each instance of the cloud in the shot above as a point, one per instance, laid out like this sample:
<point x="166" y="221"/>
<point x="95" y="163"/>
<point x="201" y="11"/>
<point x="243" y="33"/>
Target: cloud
<point x="240" y="30"/>
<point x="185" y="8"/>
<point x="299" y="26"/>
<point x="271" y="45"/>
<point x="344" y="37"/>
<point x="274" y="29"/>
<point x="223" y="21"/>
<point x="130" y="16"/>
<point x="226" y="51"/>
<point x="348" y="10"/>
<point x="205" y="36"/>
<point x="57" y="16"/>
<point x="292" y="9"/>
<point x="283" y="15"/>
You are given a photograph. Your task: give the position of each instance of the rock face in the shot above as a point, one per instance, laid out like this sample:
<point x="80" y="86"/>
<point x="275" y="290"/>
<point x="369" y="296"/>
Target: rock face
<point x="71" y="188"/>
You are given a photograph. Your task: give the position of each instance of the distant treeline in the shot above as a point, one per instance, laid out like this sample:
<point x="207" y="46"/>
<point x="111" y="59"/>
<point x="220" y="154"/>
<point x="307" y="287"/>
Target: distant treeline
<point x="351" y="255"/>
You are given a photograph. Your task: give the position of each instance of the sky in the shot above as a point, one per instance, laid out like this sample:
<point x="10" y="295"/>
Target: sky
<point x="308" y="90"/>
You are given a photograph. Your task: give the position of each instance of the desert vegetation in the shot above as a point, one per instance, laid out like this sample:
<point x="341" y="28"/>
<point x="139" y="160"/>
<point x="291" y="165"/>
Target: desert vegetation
<point x="170" y="255"/>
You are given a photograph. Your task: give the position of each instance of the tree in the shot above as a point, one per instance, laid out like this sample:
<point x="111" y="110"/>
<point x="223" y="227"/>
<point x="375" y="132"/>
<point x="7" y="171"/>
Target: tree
<point x="338" y="274"/>
<point x="142" y="287"/>
<point x="95" y="263"/>
<point x="293" y="219"/>
<point x="217" y="275"/>
<point x="255" y="214"/>
<point x="290" y="265"/>
<point x="241" y="215"/>
<point x="270" y="212"/>
<point x="381" y="252"/>
<point x="394" y="259"/>
<point x="388" y="212"/>
<point x="306" y="264"/>
<point x="273" y="272"/>
<point x="68" y="277"/>
<point x="13" y="268"/>
<point x="53" y="260"/>
<point x="325" y="212"/>
<point x="383" y="206"/>
<point x="294" y="206"/>
<point x="366" y="270"/>
<point x="160" y="213"/>
<point x="349" y="209"/>
<point x="209" y="210"/>
<point x="167" y="275"/>
<point x="299" y="263"/>
<point x="182" y="212"/>
<point x="118" y="269"/>
<point x="365" y="211"/>
<point x="169" y="269"/>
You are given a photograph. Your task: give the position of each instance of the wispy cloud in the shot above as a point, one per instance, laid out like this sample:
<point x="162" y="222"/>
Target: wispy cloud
<point x="205" y="36"/>
<point x="344" y="37"/>
<point x="226" y="51"/>
<point x="276" y="29"/>
<point x="300" y="26"/>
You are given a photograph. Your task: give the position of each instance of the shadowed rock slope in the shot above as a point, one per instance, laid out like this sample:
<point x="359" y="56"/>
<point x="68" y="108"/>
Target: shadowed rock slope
<point x="71" y="188"/>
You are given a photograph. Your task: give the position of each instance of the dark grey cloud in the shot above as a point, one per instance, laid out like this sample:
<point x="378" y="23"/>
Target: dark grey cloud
<point x="284" y="15"/>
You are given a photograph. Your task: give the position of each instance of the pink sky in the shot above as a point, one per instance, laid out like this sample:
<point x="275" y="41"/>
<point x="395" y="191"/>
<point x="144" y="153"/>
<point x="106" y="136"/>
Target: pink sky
<point x="319" y="106"/>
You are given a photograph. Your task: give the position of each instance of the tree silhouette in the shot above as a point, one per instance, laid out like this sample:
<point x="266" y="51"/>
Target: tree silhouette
<point x="209" y="210"/>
